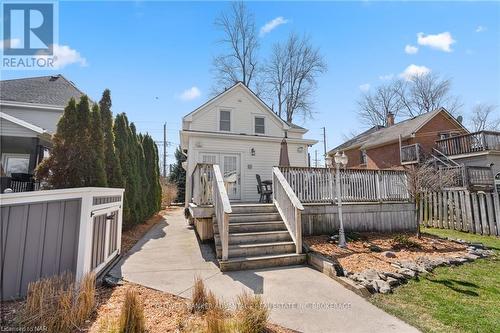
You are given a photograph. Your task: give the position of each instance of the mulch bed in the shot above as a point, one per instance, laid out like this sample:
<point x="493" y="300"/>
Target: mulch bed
<point x="163" y="312"/>
<point x="357" y="256"/>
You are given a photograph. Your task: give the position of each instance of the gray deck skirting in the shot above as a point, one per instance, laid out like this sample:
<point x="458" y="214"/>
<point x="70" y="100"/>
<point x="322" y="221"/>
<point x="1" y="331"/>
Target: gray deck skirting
<point x="373" y="217"/>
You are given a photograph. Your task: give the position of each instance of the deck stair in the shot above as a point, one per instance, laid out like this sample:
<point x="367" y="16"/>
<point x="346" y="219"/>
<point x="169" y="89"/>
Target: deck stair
<point x="258" y="238"/>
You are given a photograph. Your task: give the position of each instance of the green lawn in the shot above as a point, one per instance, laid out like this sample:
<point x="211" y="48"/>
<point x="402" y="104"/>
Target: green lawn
<point x="452" y="299"/>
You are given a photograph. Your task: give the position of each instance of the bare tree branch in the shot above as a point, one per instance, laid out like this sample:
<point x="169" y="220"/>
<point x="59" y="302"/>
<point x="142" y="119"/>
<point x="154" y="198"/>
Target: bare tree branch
<point x="239" y="61"/>
<point x="373" y="108"/>
<point x="484" y="117"/>
<point x="291" y="74"/>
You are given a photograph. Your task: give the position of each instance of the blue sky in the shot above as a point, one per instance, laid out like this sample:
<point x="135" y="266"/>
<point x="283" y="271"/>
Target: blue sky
<point x="150" y="53"/>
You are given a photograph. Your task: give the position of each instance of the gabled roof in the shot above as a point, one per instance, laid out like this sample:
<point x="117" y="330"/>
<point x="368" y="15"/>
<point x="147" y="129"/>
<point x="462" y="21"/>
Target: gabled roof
<point x="257" y="98"/>
<point x="22" y="123"/>
<point x="380" y="135"/>
<point x="48" y="90"/>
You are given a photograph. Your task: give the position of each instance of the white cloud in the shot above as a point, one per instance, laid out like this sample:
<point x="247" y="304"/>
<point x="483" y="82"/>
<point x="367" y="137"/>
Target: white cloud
<point x="481" y="28"/>
<point x="64" y="56"/>
<point x="271" y="25"/>
<point x="440" y="41"/>
<point x="364" y="87"/>
<point x="15" y="42"/>
<point x="386" y="77"/>
<point x="190" y="94"/>
<point x="410" y="49"/>
<point x="414" y="70"/>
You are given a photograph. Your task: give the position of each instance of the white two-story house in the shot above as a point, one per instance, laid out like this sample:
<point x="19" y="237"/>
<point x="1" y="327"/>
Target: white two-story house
<point x="240" y="133"/>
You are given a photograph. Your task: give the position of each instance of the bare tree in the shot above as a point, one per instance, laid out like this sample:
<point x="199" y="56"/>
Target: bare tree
<point x="239" y="60"/>
<point x="427" y="92"/>
<point x="374" y="107"/>
<point x="483" y="118"/>
<point x="291" y="74"/>
<point x="423" y="178"/>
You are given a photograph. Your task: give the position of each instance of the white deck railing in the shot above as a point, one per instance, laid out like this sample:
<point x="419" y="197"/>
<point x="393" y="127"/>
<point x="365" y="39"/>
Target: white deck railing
<point x="201" y="181"/>
<point x="289" y="207"/>
<point x="315" y="185"/>
<point x="222" y="208"/>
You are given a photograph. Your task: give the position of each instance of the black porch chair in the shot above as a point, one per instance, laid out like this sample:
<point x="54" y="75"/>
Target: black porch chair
<point x="264" y="190"/>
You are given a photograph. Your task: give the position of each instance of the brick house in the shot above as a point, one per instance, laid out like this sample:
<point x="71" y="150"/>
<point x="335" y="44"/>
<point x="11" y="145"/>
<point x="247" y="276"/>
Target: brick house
<point x="434" y="135"/>
<point x="379" y="147"/>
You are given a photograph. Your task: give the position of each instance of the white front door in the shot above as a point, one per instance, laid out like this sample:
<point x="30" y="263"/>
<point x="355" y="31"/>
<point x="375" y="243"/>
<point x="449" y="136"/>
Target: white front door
<point x="230" y="167"/>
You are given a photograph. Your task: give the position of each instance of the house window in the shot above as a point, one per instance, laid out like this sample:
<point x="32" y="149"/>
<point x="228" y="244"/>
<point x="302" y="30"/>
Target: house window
<point x="225" y="121"/>
<point x="15" y="163"/>
<point x="363" y="157"/>
<point x="259" y="125"/>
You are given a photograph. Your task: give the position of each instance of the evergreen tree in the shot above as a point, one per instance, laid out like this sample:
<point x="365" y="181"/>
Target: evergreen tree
<point x="97" y="172"/>
<point x="152" y="171"/>
<point x="112" y="163"/>
<point x="178" y="175"/>
<point x="122" y="135"/>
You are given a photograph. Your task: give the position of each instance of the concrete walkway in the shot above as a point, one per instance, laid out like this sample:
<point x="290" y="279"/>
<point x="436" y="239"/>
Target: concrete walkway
<point x="170" y="256"/>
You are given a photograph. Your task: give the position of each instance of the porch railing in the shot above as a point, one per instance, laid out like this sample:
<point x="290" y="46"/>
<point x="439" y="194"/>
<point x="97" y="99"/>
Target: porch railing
<point x="315" y="185"/>
<point x="289" y="207"/>
<point x="411" y="153"/>
<point x="202" y="180"/>
<point x="222" y="208"/>
<point x="469" y="143"/>
<point x="469" y="176"/>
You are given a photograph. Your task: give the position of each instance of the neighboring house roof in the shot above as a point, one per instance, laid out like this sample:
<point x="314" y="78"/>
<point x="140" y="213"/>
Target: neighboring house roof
<point x="40" y="132"/>
<point x="48" y="90"/>
<point x="241" y="84"/>
<point x="380" y="135"/>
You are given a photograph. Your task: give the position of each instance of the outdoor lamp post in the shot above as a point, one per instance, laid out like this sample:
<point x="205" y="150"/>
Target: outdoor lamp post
<point x="340" y="160"/>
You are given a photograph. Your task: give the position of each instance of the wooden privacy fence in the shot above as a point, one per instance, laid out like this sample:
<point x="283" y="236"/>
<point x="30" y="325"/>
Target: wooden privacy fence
<point x="476" y="212"/>
<point x="317" y="185"/>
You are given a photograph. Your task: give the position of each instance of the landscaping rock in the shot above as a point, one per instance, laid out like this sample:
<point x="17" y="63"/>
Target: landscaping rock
<point x="370" y="274"/>
<point x="389" y="254"/>
<point x="392" y="282"/>
<point x="382" y="286"/>
<point x="471" y="256"/>
<point x="478" y="246"/>
<point x="407" y="273"/>
<point x="112" y="281"/>
<point x="375" y="248"/>
<point x="394" y="276"/>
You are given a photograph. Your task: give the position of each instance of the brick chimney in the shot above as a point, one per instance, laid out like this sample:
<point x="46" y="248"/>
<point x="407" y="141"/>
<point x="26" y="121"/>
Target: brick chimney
<point x="390" y="119"/>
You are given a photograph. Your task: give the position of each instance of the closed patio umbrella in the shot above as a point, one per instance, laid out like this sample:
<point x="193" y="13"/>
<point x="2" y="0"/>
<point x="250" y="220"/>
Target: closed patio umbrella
<point x="284" y="160"/>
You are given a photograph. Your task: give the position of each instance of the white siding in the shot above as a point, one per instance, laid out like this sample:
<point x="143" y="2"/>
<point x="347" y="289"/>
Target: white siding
<point x="266" y="156"/>
<point x="46" y="119"/>
<point x="8" y="128"/>
<point x="243" y="108"/>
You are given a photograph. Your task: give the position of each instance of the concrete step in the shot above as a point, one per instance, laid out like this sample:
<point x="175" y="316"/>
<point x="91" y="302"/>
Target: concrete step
<point x="254" y="217"/>
<point x="256" y="237"/>
<point x="254" y="226"/>
<point x="253" y="208"/>
<point x="259" y="237"/>
<point x="236" y="264"/>
<point x="260" y="249"/>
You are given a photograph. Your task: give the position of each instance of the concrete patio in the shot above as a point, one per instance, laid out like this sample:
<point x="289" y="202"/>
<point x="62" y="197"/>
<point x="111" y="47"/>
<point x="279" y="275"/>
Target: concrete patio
<point x="170" y="256"/>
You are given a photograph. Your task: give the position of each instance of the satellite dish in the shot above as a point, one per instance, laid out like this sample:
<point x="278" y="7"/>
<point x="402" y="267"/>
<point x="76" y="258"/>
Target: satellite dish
<point x="460" y="119"/>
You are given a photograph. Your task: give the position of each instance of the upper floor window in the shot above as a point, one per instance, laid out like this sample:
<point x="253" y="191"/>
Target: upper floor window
<point x="225" y="120"/>
<point x="363" y="157"/>
<point x="260" y="125"/>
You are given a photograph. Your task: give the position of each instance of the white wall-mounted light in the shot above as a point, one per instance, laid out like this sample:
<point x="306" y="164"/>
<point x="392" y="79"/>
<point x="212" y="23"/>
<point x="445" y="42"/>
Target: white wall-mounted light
<point x="300" y="149"/>
<point x="252" y="151"/>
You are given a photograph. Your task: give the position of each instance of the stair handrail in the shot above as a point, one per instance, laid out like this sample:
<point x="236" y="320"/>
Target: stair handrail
<point x="289" y="207"/>
<point x="446" y="158"/>
<point x="222" y="208"/>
